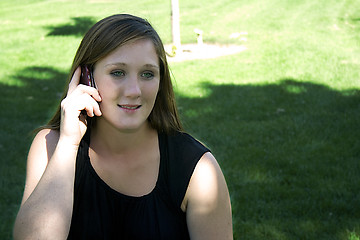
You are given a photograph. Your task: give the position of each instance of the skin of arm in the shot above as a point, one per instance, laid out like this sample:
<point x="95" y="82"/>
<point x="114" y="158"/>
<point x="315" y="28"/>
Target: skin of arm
<point x="207" y="202"/>
<point x="46" y="208"/>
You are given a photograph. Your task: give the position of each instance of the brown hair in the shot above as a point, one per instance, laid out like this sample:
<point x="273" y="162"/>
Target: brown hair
<point x="112" y="32"/>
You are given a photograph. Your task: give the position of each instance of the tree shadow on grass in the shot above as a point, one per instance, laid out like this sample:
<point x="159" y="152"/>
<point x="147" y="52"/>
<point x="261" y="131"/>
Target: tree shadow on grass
<point x="38" y="89"/>
<point x="31" y="100"/>
<point x="28" y="104"/>
<point x="77" y="27"/>
<point x="290" y="152"/>
<point x="25" y="106"/>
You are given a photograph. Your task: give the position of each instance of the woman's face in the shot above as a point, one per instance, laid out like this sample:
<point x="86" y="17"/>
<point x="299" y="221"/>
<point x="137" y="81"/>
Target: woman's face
<point x="128" y="82"/>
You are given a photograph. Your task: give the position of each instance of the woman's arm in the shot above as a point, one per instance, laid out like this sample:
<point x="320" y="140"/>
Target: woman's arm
<point x="46" y="208"/>
<point x="207" y="202"/>
<point x="48" y="196"/>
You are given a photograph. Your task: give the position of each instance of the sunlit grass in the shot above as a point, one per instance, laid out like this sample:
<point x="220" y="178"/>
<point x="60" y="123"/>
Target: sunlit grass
<point x="353" y="236"/>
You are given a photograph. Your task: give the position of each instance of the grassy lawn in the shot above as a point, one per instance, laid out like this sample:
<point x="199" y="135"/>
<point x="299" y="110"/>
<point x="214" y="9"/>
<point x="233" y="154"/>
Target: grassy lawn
<point x="282" y="117"/>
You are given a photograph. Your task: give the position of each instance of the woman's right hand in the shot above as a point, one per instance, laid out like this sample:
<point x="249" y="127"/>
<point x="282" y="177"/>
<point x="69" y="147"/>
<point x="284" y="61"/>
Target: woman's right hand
<point x="79" y="97"/>
<point x="48" y="195"/>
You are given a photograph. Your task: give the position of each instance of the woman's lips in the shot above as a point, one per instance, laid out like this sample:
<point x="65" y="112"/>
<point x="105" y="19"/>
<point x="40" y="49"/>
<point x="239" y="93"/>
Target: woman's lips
<point x="129" y="107"/>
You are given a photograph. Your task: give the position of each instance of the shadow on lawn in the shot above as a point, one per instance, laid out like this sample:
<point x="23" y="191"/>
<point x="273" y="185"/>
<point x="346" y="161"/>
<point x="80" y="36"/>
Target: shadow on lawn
<point x="77" y="27"/>
<point x="290" y="151"/>
<point x="24" y="107"/>
<point x="39" y="89"/>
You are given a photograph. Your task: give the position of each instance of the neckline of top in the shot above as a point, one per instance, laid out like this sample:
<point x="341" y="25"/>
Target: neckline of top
<point x="117" y="193"/>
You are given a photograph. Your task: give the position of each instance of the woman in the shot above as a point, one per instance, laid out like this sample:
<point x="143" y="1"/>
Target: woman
<point x="114" y="162"/>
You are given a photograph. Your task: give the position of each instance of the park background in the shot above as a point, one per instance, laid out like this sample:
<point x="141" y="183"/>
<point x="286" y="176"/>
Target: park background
<point x="282" y="117"/>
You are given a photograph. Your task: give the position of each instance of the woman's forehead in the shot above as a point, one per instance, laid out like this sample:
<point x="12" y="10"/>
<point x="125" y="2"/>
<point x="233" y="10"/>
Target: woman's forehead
<point x="141" y="52"/>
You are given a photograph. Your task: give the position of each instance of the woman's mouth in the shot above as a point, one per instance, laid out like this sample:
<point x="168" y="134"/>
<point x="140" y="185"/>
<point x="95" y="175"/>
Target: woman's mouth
<point x="130" y="107"/>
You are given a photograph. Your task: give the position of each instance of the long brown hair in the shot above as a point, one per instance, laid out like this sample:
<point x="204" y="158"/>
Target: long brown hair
<point x="103" y="38"/>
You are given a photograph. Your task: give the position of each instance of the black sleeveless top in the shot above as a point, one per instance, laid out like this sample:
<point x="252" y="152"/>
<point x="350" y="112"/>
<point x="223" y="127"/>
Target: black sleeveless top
<point x="100" y="212"/>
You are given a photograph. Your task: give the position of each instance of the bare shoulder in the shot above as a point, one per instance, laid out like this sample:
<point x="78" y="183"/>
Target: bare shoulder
<point x="41" y="150"/>
<point x="44" y="144"/>
<point x="206" y="181"/>
<point x="48" y="135"/>
<point x="207" y="201"/>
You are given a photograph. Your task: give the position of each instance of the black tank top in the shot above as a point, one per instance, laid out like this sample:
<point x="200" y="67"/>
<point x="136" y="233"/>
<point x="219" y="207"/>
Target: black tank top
<point x="100" y="212"/>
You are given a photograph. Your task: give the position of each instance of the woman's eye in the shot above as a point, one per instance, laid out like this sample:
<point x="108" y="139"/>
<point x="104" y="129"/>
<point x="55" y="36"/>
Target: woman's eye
<point x="147" y="75"/>
<point x="118" y="73"/>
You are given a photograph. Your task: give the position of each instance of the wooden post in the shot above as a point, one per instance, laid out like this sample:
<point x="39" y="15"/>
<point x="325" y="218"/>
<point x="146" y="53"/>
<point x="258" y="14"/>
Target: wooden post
<point x="175" y="24"/>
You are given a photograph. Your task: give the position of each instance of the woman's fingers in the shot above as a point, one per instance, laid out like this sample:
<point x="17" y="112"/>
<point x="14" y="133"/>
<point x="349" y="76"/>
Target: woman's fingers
<point x="76" y="89"/>
<point x="92" y="92"/>
<point x="83" y="98"/>
<point x="73" y="124"/>
<point x="91" y="106"/>
<point x="74" y="80"/>
<point x="80" y="98"/>
<point x="74" y="84"/>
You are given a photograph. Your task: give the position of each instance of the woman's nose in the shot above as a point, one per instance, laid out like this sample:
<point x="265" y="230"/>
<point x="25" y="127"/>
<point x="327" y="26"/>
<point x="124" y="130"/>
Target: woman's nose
<point x="132" y="88"/>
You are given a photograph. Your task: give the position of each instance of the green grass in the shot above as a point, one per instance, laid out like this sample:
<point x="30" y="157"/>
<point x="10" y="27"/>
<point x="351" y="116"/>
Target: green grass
<point x="282" y="117"/>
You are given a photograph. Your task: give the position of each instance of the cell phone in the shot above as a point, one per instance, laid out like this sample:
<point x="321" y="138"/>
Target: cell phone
<point x="87" y="79"/>
<point x="87" y="76"/>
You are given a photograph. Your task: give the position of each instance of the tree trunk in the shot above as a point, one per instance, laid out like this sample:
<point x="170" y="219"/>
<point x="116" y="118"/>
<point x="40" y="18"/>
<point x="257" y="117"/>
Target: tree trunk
<point x="175" y="23"/>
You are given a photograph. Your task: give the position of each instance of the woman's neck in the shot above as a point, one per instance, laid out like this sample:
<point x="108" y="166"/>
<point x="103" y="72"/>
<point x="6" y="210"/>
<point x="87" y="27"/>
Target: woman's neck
<point x="105" y="137"/>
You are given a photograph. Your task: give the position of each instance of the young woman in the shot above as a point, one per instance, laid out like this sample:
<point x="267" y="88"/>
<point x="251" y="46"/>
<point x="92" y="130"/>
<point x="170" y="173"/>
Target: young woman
<point x="114" y="161"/>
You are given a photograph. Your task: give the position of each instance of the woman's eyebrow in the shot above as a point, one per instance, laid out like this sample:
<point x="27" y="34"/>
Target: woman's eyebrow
<point x="148" y="65"/>
<point x="151" y="66"/>
<point x="115" y="64"/>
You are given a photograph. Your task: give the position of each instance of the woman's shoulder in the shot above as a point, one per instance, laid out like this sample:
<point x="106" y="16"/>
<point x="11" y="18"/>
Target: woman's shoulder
<point x="185" y="141"/>
<point x="182" y="155"/>
<point x="46" y="136"/>
<point x="45" y="141"/>
<point x="41" y="150"/>
<point x="48" y="132"/>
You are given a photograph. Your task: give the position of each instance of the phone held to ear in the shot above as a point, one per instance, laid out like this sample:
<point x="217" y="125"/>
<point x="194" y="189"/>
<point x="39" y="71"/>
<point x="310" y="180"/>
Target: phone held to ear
<point x="87" y="79"/>
<point x="87" y="76"/>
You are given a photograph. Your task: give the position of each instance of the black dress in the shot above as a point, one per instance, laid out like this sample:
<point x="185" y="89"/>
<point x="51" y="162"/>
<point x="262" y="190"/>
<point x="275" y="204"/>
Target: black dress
<point x="100" y="212"/>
